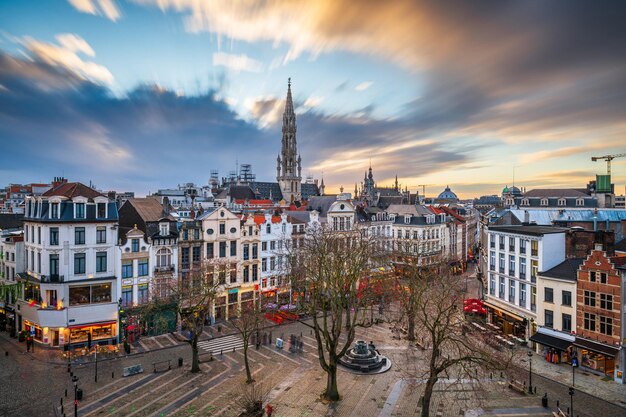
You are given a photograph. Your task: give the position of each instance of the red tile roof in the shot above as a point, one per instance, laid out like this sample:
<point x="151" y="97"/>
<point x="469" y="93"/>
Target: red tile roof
<point x="71" y="190"/>
<point x="259" y="219"/>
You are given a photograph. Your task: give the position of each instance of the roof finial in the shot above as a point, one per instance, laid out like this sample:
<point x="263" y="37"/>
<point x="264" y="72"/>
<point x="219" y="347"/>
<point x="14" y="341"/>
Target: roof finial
<point x="289" y="82"/>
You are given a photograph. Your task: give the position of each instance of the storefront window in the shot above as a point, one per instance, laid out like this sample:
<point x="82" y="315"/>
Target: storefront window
<point x="101" y="293"/>
<point x="32" y="292"/>
<point x="79" y="295"/>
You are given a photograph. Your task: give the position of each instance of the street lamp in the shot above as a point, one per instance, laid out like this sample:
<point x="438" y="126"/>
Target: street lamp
<point x="571" y="401"/>
<point x="530" y="371"/>
<point x="75" y="381"/>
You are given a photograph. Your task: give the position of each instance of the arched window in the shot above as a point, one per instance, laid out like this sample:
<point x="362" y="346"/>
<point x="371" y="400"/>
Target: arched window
<point x="163" y="257"/>
<point x="544" y="201"/>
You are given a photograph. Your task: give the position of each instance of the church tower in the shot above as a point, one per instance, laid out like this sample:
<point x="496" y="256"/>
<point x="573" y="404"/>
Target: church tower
<point x="289" y="163"/>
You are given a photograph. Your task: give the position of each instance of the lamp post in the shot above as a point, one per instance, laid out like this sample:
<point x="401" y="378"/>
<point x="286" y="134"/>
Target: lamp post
<point x="75" y="381"/>
<point x="571" y="401"/>
<point x="530" y="372"/>
<point x="119" y="319"/>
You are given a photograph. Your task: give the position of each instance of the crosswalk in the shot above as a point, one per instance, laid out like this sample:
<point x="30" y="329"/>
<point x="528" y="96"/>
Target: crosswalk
<point x="224" y="343"/>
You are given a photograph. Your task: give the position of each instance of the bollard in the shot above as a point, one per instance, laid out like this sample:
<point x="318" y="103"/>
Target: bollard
<point x="222" y="352"/>
<point x="112" y="375"/>
<point x="61" y="401"/>
<point x="535" y="389"/>
<point x="311" y="332"/>
<point x="62" y="411"/>
<point x="65" y="392"/>
<point x="6" y="353"/>
<point x="490" y="375"/>
<point x="233" y="349"/>
<point x="557" y="403"/>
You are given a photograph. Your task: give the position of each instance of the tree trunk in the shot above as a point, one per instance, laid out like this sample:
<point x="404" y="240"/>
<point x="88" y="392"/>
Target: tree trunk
<point x="195" y="359"/>
<point x="332" y="392"/>
<point x="411" y="327"/>
<point x="249" y="379"/>
<point x="428" y="393"/>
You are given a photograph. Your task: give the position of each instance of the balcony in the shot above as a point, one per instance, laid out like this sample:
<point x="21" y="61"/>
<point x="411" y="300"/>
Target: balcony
<point x="534" y="252"/>
<point x="533" y="308"/>
<point x="164" y="268"/>
<point x="52" y="279"/>
<point x="501" y="270"/>
<point x="511" y="248"/>
<point x="533" y="279"/>
<point x="492" y="267"/>
<point x="522" y="275"/>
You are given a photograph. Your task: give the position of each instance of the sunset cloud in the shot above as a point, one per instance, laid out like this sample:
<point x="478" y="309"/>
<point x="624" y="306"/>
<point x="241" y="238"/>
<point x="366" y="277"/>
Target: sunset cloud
<point x="65" y="55"/>
<point x="237" y="63"/>
<point x="108" y="8"/>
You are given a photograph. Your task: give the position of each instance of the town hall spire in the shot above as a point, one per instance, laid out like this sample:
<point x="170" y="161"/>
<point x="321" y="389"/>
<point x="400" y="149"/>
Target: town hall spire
<point x="289" y="163"/>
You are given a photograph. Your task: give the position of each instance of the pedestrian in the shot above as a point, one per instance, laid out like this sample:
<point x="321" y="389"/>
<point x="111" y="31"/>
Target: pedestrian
<point x="28" y="344"/>
<point x="269" y="410"/>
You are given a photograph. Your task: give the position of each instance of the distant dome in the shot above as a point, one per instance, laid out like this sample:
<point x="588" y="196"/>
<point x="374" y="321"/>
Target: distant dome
<point x="514" y="191"/>
<point x="447" y="194"/>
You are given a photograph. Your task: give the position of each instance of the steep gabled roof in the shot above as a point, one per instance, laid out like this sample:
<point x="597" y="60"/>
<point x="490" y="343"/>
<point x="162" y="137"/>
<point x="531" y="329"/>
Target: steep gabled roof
<point x="73" y="189"/>
<point x="149" y="209"/>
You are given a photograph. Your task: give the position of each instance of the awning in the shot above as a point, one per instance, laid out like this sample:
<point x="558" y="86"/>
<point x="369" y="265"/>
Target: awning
<point x="550" y="341"/>
<point x="503" y="311"/>
<point x="596" y="347"/>
<point x="103" y="323"/>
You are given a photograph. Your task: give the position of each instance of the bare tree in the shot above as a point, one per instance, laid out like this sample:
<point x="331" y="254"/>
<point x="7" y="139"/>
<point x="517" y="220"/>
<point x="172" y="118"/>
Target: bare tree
<point x="327" y="270"/>
<point x="194" y="296"/>
<point x="251" y="399"/>
<point x="247" y="323"/>
<point x="452" y="348"/>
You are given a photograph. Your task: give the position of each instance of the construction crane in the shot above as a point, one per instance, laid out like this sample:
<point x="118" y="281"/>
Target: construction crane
<point x="424" y="188"/>
<point x="608" y="159"/>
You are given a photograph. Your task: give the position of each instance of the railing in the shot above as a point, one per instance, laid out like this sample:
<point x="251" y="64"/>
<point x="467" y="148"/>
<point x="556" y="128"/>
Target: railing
<point x="492" y="267"/>
<point x="522" y="275"/>
<point x="502" y="270"/>
<point x="52" y="279"/>
<point x="511" y="248"/>
<point x="534" y="252"/>
<point x="533" y="278"/>
<point x="164" y="268"/>
<point x="522" y="249"/>
<point x="533" y="307"/>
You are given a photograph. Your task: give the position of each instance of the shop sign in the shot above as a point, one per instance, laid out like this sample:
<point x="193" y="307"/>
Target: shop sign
<point x="233" y="290"/>
<point x="32" y="330"/>
<point x="61" y="337"/>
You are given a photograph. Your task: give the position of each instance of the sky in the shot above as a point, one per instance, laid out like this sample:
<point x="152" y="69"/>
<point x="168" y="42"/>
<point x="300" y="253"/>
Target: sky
<point x="145" y="94"/>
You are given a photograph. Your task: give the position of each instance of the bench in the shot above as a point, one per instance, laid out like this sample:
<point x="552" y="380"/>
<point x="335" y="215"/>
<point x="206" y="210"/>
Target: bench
<point x="132" y="370"/>
<point x="517" y="386"/>
<point x="169" y="365"/>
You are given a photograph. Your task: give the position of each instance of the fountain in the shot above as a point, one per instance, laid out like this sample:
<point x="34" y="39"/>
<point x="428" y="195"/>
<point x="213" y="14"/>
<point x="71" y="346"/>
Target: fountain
<point x="363" y="358"/>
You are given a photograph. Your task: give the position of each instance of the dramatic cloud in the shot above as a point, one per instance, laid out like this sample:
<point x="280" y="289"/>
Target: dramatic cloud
<point x="108" y="8"/>
<point x="65" y="55"/>
<point x="237" y="63"/>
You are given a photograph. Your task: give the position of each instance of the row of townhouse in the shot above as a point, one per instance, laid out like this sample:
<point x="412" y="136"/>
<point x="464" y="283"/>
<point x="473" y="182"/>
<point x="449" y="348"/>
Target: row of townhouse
<point x="562" y="290"/>
<point x="86" y="268"/>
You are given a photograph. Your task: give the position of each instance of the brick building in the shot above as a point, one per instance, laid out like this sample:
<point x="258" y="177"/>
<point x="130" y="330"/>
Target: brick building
<point x="598" y="319"/>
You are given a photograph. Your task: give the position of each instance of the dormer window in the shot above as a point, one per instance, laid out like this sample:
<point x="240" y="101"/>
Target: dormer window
<point x="101" y="210"/>
<point x="544" y="202"/>
<point x="580" y="202"/>
<point x="561" y="201"/>
<point x="268" y="228"/>
<point x="510" y="202"/>
<point x="79" y="210"/>
<point x="525" y="202"/>
<point x="164" y="229"/>
<point x="407" y="219"/>
<point x="54" y="210"/>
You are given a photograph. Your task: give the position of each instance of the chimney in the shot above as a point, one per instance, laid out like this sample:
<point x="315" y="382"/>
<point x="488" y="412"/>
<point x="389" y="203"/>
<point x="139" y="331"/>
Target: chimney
<point x="526" y="217"/>
<point x="598" y="246"/>
<point x="58" y="181"/>
<point x="166" y="206"/>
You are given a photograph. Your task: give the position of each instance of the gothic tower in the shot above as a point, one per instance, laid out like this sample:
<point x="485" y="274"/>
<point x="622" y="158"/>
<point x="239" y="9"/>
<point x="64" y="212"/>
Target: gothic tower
<point x="289" y="163"/>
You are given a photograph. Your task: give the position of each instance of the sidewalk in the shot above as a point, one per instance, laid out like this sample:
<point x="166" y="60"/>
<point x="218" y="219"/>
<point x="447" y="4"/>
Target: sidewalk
<point x="586" y="382"/>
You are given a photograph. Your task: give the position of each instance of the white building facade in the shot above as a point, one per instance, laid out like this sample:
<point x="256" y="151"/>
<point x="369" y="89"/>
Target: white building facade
<point x="516" y="255"/>
<point x="70" y="284"/>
